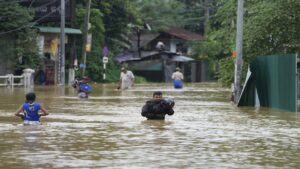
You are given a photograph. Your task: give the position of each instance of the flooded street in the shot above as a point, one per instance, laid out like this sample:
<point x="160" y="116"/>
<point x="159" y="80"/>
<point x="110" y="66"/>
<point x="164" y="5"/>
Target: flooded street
<point x="108" y="131"/>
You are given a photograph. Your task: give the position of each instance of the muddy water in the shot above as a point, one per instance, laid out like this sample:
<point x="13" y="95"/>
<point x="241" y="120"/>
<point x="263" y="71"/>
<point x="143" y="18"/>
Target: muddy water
<point x="107" y="131"/>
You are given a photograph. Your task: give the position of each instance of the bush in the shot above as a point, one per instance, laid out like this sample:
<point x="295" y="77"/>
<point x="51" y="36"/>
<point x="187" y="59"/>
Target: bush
<point x="226" y="71"/>
<point x="139" y="79"/>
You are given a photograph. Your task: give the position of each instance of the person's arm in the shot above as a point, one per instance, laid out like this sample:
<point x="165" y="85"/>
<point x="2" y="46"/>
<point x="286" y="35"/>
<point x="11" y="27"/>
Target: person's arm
<point x="120" y="81"/>
<point x="132" y="81"/>
<point x="147" y="110"/>
<point x="132" y="78"/>
<point x="18" y="112"/>
<point x="44" y="111"/>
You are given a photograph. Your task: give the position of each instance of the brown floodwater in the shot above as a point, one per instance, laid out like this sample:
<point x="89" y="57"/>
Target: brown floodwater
<point x="108" y="131"/>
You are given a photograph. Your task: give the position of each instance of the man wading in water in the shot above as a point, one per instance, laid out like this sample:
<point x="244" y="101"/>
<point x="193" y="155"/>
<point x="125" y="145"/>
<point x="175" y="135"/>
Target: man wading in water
<point x="126" y="79"/>
<point x="157" y="108"/>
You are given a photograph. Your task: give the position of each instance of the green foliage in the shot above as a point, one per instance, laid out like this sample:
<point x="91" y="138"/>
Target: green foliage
<point x="161" y="13"/>
<point x="15" y="26"/>
<point x="118" y="14"/>
<point x="194" y="14"/>
<point x="139" y="79"/>
<point x="93" y="69"/>
<point x="109" y="21"/>
<point x="225" y="75"/>
<point x="113" y="71"/>
<point x="270" y="27"/>
<point x="14" y="16"/>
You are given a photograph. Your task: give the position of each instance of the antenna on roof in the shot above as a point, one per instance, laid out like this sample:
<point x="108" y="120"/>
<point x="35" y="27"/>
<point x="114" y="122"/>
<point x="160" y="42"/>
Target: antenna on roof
<point x="147" y="26"/>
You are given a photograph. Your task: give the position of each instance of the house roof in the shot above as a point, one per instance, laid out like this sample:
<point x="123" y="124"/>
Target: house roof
<point x="130" y="55"/>
<point x="145" y="38"/>
<point x="47" y="29"/>
<point x="127" y="56"/>
<point x="183" y="33"/>
<point x="181" y="58"/>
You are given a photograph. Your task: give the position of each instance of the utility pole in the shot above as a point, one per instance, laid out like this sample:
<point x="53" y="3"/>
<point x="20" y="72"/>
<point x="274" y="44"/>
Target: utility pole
<point x="61" y="73"/>
<point x="139" y="41"/>
<point x="239" y="51"/>
<point x="85" y="32"/>
<point x="206" y="22"/>
<point x="73" y="55"/>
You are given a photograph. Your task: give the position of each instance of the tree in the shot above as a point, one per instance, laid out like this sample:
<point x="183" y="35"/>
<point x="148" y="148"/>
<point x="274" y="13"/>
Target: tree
<point x="270" y="27"/>
<point x="16" y="30"/>
<point x="161" y="14"/>
<point x="109" y="20"/>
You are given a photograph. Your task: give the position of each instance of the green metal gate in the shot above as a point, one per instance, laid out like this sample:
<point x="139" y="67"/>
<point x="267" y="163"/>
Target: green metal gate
<point x="274" y="79"/>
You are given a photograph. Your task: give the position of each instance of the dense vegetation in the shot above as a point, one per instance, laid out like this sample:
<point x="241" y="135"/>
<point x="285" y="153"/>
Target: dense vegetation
<point x="270" y="27"/>
<point x="17" y="38"/>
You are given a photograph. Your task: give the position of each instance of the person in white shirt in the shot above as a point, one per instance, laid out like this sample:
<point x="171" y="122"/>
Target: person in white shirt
<point x="177" y="77"/>
<point x="126" y="79"/>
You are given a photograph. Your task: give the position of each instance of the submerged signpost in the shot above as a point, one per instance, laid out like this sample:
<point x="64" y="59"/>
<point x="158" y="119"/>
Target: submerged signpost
<point x="105" y="60"/>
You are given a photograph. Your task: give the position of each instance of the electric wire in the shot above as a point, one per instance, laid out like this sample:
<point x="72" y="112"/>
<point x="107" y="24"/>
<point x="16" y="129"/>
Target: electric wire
<point x="39" y="7"/>
<point x="30" y="24"/>
<point x="9" y="1"/>
<point x="31" y="3"/>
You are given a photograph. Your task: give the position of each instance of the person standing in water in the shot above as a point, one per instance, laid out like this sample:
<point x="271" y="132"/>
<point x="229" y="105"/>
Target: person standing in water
<point x="177" y="77"/>
<point x="157" y="108"/>
<point x="29" y="111"/>
<point x="82" y="87"/>
<point x="126" y="79"/>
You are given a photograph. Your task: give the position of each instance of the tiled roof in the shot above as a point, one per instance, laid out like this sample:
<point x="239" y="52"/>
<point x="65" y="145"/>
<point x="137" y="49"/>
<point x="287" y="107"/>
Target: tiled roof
<point x="183" y="33"/>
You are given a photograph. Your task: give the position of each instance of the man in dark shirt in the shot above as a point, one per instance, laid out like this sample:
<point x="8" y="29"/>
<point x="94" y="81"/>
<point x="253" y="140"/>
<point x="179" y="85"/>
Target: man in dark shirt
<point x="157" y="108"/>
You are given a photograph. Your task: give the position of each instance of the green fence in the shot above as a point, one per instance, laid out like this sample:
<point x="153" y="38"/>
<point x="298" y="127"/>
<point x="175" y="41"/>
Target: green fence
<point x="274" y="78"/>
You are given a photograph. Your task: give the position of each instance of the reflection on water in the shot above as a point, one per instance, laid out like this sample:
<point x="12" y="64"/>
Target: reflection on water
<point x="107" y="131"/>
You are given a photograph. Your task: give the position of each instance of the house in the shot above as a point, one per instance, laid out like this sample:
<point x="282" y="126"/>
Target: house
<point x="48" y="43"/>
<point x="156" y="55"/>
<point x="47" y="12"/>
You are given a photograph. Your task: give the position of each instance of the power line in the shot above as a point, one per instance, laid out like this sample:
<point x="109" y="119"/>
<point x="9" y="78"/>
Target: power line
<point x="38" y="7"/>
<point x="8" y="1"/>
<point x="30" y="24"/>
<point x="44" y="5"/>
<point x="31" y="3"/>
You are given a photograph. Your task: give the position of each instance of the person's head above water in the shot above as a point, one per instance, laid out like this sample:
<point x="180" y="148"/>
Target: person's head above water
<point x="85" y="79"/>
<point x="157" y="96"/>
<point x="123" y="69"/>
<point x="30" y="97"/>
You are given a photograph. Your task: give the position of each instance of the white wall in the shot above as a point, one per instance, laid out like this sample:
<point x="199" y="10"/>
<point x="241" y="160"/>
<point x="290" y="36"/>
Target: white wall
<point x="173" y="43"/>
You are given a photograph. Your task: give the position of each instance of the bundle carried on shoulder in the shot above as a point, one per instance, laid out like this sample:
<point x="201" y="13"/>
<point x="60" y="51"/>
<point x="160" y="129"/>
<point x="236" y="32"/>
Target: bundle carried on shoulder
<point x="85" y="88"/>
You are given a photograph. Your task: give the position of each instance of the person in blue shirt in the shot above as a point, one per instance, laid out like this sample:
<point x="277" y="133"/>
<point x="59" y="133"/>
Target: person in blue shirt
<point x="29" y="111"/>
<point x="82" y="87"/>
